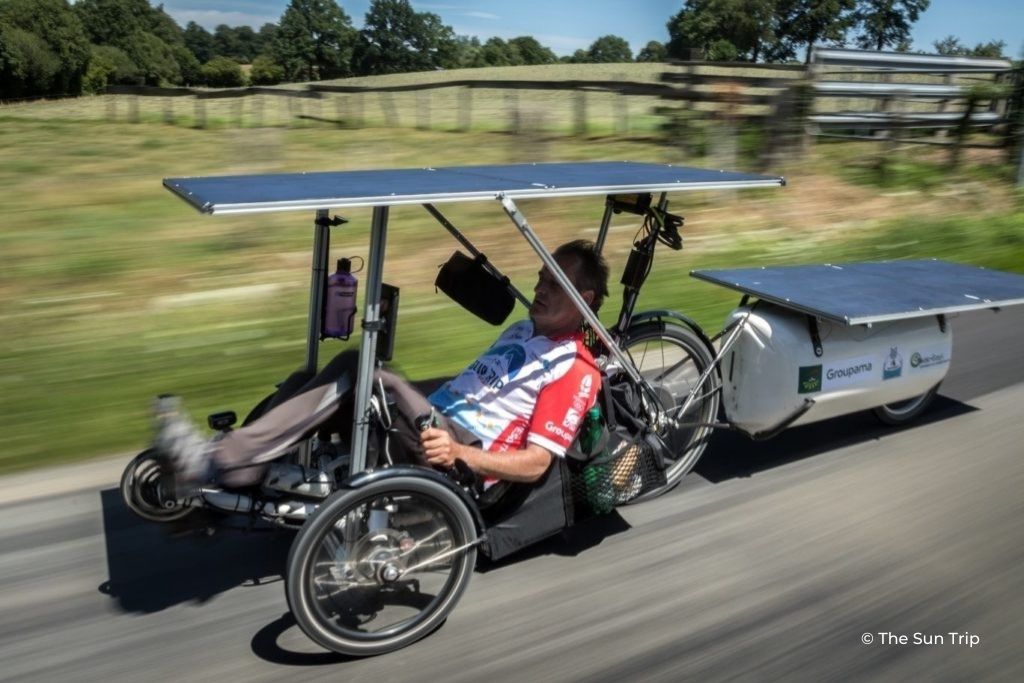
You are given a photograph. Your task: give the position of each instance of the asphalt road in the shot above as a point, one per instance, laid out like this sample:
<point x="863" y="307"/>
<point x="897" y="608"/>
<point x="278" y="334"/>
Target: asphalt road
<point x="772" y="561"/>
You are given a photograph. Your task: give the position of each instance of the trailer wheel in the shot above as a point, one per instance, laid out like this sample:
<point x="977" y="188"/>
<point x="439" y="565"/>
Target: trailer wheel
<point x="902" y="412"/>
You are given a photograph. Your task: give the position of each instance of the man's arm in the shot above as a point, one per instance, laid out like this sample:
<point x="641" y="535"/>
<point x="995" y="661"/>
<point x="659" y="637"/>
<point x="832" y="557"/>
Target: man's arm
<point x="526" y="465"/>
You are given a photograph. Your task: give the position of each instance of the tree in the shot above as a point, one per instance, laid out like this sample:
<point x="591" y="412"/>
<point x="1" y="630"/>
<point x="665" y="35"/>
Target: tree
<point x="653" y="51"/>
<point x="110" y="22"/>
<point x="497" y="52"/>
<point x="265" y="38"/>
<point x="469" y="52"/>
<point x="188" y="66"/>
<point x="27" y="64"/>
<point x="950" y="45"/>
<point x="109" y="65"/>
<point x="199" y="41"/>
<point x="747" y="25"/>
<point x="154" y="58"/>
<point x="610" y="49"/>
<point x="993" y="49"/>
<point x="808" y="22"/>
<point x="531" y="51"/>
<point x="578" y="57"/>
<point x="398" y="39"/>
<point x="265" y="71"/>
<point x="223" y="72"/>
<point x="886" y="22"/>
<point x="314" y="40"/>
<point x="56" y="30"/>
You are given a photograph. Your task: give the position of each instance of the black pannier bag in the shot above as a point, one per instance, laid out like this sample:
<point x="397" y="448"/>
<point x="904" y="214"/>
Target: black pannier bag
<point x="619" y="464"/>
<point x="471" y="285"/>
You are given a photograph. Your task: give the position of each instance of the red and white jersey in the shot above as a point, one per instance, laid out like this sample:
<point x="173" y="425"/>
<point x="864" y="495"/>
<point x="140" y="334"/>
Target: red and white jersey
<point x="526" y="388"/>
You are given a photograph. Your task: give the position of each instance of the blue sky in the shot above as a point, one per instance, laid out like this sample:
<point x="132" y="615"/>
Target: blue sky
<point x="567" y="26"/>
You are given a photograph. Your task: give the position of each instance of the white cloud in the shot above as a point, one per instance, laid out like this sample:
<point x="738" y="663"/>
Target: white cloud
<point x="480" y="15"/>
<point x="210" y="19"/>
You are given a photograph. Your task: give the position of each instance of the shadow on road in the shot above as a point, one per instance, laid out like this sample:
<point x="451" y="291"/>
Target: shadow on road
<point x="731" y="454"/>
<point x="150" y="571"/>
<point x="265" y="646"/>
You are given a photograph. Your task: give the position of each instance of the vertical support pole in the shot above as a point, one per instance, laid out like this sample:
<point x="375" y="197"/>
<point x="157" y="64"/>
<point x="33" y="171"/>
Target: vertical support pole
<point x="606" y="222"/>
<point x="368" y="347"/>
<point x="321" y="249"/>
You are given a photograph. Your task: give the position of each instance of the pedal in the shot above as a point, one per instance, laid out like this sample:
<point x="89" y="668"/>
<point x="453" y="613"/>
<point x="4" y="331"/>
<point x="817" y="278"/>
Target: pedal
<point x="223" y="421"/>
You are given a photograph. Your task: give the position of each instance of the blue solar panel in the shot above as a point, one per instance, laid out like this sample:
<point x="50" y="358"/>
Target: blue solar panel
<point x="286" y="191"/>
<point x="861" y="293"/>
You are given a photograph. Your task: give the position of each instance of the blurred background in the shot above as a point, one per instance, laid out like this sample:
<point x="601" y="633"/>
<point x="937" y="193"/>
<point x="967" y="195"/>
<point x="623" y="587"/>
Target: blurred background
<point x="113" y="291"/>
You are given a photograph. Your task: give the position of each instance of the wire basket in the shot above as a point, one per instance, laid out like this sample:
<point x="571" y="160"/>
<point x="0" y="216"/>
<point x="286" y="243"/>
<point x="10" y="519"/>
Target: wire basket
<point x="605" y="482"/>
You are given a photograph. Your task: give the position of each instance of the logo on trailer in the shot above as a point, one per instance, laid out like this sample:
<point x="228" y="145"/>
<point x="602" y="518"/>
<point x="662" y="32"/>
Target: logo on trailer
<point x="809" y="380"/>
<point x="893" y="365"/>
<point x="927" y="359"/>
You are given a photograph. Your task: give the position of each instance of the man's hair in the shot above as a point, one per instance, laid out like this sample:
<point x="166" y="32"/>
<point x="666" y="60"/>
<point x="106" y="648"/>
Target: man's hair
<point x="591" y="269"/>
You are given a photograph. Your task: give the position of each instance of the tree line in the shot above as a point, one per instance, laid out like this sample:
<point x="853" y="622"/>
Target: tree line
<point x="785" y="30"/>
<point x="54" y="47"/>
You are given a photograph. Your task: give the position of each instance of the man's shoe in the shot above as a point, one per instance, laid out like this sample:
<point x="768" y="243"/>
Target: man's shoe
<point x="180" y="442"/>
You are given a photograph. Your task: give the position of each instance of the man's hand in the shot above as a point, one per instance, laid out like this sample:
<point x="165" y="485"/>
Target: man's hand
<point x="439" y="447"/>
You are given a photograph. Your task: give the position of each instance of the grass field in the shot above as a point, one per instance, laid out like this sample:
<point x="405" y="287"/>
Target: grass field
<point x="113" y="291"/>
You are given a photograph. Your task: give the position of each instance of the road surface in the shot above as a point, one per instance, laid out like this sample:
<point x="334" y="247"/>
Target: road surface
<point x="774" y="560"/>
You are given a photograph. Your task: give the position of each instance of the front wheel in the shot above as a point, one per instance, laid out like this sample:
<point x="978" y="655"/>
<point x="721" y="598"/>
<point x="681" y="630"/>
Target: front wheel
<point x="672" y="360"/>
<point x="901" y="412"/>
<point x="379" y="567"/>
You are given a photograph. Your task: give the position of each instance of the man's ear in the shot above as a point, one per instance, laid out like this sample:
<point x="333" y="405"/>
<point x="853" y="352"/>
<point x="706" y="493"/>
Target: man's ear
<point x="588" y="296"/>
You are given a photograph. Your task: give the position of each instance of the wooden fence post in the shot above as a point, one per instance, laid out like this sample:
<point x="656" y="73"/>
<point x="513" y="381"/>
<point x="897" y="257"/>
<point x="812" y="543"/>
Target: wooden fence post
<point x="169" y="110"/>
<point x="133" y="108"/>
<point x="423" y="109"/>
<point x="112" y="108"/>
<point x="257" y="110"/>
<point x="512" y="104"/>
<point x="387" y="104"/>
<point x="465" y="114"/>
<point x="580" y="111"/>
<point x="238" y="109"/>
<point x="200" y="113"/>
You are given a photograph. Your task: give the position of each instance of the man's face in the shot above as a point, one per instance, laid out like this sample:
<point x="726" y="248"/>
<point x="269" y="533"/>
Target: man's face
<point x="552" y="311"/>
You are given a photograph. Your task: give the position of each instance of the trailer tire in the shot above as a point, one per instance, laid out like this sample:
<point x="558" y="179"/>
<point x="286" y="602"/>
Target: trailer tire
<point x="902" y="412"/>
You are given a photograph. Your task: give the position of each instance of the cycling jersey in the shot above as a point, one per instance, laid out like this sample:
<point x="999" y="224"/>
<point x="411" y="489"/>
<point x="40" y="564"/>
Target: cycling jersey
<point x="525" y="388"/>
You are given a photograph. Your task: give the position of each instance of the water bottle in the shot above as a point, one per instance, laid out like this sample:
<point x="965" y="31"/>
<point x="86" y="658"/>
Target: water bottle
<point x="599" y="493"/>
<point x="340" y="303"/>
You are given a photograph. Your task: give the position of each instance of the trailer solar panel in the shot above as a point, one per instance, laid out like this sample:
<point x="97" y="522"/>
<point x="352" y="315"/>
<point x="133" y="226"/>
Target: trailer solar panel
<point x="862" y="293"/>
<point x="330" y="190"/>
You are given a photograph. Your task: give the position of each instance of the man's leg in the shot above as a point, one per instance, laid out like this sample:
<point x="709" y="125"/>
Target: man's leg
<point x="241" y="454"/>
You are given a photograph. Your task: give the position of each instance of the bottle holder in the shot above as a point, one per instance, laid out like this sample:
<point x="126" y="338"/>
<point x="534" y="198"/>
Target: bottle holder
<point x="601" y="484"/>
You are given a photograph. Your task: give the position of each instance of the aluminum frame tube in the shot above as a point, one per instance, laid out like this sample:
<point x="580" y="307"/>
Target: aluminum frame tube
<point x="321" y="253"/>
<point x="567" y="286"/>
<point x="471" y="248"/>
<point x="368" y="347"/>
<point x="606" y="222"/>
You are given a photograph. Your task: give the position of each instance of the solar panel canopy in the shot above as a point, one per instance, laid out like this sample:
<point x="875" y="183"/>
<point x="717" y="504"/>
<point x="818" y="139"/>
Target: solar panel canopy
<point x="338" y="189"/>
<point x="863" y="293"/>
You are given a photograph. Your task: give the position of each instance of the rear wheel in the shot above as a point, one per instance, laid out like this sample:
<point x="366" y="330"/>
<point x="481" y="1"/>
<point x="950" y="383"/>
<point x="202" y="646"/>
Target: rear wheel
<point x="141" y="490"/>
<point x="379" y="567"/>
<point x="902" y="412"/>
<point x="672" y="360"/>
